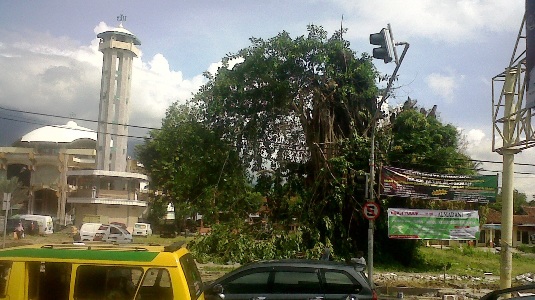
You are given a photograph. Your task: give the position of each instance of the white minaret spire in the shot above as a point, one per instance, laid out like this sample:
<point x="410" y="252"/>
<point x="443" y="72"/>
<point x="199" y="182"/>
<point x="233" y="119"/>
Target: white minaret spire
<point x="119" y="49"/>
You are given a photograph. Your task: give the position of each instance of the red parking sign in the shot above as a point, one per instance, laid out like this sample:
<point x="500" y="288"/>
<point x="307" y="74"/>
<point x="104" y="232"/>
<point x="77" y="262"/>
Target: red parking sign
<point x="371" y="210"/>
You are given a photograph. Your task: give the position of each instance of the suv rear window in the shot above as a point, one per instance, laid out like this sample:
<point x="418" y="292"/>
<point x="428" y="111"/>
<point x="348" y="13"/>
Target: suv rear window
<point x="252" y="283"/>
<point x="294" y="281"/>
<point x="340" y="283"/>
<point x="193" y="277"/>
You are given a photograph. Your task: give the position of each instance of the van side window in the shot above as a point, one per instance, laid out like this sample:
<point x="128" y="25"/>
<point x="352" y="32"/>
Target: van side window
<point x="5" y="268"/>
<point x="156" y="285"/>
<point x="49" y="280"/>
<point x="106" y="282"/>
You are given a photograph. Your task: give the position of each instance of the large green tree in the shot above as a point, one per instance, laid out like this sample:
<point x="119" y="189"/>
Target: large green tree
<point x="195" y="169"/>
<point x="291" y="100"/>
<point x="288" y="105"/>
<point x="421" y="142"/>
<point x="298" y="113"/>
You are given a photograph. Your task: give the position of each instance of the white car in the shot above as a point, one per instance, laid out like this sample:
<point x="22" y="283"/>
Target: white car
<point x="112" y="234"/>
<point x="142" y="229"/>
<point x="88" y="231"/>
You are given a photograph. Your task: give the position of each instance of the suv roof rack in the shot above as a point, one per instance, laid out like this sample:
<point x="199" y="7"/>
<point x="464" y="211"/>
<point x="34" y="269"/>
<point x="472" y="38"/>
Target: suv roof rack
<point x="174" y="246"/>
<point x="91" y="247"/>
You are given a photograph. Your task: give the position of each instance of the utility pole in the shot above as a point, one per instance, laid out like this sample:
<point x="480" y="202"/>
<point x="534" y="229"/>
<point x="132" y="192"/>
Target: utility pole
<point x="512" y="128"/>
<point x="387" y="48"/>
<point x="508" y="154"/>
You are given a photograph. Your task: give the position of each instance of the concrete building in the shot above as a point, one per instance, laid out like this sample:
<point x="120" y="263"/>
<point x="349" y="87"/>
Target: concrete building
<point x="41" y="159"/>
<point x="76" y="174"/>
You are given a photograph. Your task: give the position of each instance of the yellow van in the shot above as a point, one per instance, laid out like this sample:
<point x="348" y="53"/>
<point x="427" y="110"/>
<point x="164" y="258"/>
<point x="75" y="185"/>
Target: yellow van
<point x="99" y="271"/>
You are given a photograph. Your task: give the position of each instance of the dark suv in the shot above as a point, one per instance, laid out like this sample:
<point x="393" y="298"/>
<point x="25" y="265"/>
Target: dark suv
<point x="293" y="279"/>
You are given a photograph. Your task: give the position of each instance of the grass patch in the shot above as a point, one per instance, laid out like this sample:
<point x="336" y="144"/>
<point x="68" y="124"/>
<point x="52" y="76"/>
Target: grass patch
<point x="462" y="261"/>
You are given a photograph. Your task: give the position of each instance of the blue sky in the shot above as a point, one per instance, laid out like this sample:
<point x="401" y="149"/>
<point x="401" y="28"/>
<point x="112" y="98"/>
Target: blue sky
<point x="50" y="62"/>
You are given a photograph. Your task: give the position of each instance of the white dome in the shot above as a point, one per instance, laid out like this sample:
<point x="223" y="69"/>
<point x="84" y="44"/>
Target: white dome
<point x="60" y="134"/>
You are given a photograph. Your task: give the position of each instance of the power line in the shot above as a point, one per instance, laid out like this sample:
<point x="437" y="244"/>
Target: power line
<point x="288" y="147"/>
<point x="61" y="126"/>
<point x="71" y="118"/>
<point x="499" y="162"/>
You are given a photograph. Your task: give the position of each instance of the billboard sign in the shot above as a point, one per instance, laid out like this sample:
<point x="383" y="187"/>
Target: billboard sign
<point x="423" y="224"/>
<point x="433" y="186"/>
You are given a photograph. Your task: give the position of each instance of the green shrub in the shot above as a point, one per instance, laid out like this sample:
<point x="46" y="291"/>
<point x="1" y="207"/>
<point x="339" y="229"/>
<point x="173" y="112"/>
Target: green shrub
<point x="241" y="243"/>
<point x="526" y="248"/>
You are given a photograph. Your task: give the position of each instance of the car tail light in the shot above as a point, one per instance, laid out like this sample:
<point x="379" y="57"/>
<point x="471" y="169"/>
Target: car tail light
<point x="374" y="295"/>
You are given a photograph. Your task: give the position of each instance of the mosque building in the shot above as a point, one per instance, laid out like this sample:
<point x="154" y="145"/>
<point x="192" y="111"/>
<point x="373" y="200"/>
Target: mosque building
<point x="76" y="174"/>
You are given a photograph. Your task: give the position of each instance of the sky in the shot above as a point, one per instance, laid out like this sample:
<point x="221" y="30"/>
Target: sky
<point x="50" y="63"/>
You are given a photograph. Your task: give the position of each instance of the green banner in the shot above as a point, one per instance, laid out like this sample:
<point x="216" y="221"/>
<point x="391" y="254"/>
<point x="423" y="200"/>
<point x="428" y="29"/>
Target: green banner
<point x="415" y="184"/>
<point x="424" y="224"/>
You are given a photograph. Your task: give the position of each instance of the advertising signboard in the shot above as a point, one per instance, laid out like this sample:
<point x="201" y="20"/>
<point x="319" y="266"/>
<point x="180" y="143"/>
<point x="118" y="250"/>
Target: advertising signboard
<point x="404" y="223"/>
<point x="408" y="183"/>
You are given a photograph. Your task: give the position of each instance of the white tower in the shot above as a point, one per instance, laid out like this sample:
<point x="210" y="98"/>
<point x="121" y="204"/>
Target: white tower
<point x="119" y="49"/>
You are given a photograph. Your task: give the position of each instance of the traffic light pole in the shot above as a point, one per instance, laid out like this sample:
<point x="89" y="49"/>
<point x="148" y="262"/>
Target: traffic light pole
<point x="374" y="120"/>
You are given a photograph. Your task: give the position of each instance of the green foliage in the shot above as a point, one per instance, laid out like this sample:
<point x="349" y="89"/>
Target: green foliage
<point x="423" y="143"/>
<point x="238" y="242"/>
<point x="526" y="248"/>
<point x="297" y="112"/>
<point x="14" y="187"/>
<point x="289" y="99"/>
<point x="158" y="210"/>
<point x="519" y="200"/>
<point x="194" y="168"/>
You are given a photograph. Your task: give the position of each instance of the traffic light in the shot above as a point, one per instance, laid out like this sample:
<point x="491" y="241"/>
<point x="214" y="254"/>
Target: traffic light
<point x="383" y="40"/>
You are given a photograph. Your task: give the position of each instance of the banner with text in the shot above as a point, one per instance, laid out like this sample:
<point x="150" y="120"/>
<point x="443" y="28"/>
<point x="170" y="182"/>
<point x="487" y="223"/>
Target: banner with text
<point x="408" y="183"/>
<point x="427" y="224"/>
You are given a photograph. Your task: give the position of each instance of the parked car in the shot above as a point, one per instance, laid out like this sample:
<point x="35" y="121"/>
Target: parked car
<point x="122" y="225"/>
<point x="88" y="231"/>
<point x="112" y="234"/>
<point x="526" y="292"/>
<point x="293" y="279"/>
<point x="142" y="229"/>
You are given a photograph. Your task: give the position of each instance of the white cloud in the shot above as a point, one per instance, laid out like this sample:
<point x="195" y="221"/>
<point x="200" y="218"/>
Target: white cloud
<point x="214" y="67"/>
<point x="47" y="74"/>
<point x="443" y="86"/>
<point x="451" y="21"/>
<point x="479" y="147"/>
